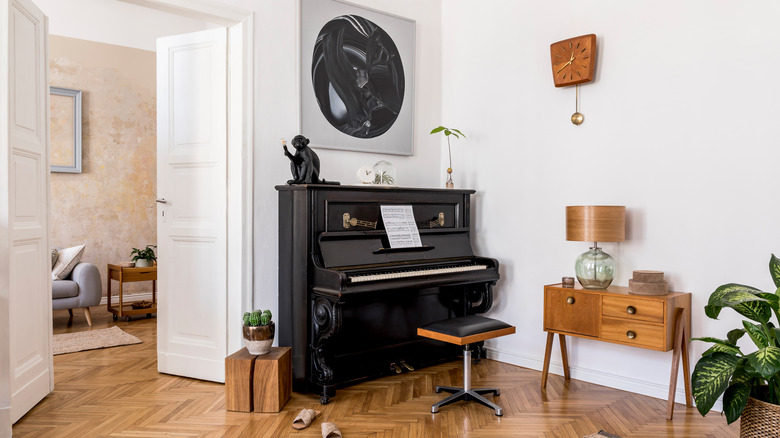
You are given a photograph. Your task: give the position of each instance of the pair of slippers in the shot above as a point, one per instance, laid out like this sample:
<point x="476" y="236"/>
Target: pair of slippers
<point x="305" y="418"/>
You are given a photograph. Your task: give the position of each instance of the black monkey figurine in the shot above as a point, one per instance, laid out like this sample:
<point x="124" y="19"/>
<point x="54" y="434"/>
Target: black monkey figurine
<point x="305" y="164"/>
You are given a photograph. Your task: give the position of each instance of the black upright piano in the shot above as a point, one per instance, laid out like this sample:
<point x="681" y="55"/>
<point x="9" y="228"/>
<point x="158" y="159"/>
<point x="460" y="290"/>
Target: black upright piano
<point x="349" y="304"/>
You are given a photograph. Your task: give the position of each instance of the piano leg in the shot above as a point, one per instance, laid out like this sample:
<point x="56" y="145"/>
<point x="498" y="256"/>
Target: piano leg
<point x="328" y="391"/>
<point x="327" y="322"/>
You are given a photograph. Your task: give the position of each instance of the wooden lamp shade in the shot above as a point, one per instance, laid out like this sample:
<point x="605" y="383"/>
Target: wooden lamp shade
<point x="596" y="223"/>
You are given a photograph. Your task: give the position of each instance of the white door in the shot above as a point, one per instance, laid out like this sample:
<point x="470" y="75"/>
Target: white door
<point x="192" y="208"/>
<point x="26" y="374"/>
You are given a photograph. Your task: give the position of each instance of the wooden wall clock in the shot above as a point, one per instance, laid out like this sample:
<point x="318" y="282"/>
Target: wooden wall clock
<point x="572" y="64"/>
<point x="573" y="60"/>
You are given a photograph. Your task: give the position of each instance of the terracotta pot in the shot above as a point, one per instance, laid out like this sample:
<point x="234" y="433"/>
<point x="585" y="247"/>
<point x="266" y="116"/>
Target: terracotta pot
<point x="759" y="419"/>
<point x="258" y="339"/>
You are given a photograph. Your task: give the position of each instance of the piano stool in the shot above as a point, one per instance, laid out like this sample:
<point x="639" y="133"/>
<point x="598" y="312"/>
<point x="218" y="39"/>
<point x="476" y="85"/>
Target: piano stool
<point x="466" y="330"/>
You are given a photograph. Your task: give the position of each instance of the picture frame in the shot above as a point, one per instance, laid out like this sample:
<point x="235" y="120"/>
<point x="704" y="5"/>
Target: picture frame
<point x="362" y="112"/>
<point x="65" y="129"/>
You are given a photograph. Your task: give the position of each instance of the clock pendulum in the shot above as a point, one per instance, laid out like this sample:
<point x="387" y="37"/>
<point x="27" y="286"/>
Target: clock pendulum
<point x="577" y="118"/>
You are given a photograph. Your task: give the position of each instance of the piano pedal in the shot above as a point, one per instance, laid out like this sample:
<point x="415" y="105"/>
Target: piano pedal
<point x="394" y="367"/>
<point x="407" y="366"/>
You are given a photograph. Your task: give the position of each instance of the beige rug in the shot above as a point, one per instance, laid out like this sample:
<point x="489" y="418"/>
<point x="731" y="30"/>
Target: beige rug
<point x="91" y="340"/>
<point x="601" y="434"/>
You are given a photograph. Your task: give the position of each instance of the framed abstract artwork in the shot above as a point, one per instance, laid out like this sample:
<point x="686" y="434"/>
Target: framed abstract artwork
<point x="356" y="78"/>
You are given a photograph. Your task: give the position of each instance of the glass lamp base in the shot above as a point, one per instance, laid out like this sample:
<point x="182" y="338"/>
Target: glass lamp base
<point x="595" y="269"/>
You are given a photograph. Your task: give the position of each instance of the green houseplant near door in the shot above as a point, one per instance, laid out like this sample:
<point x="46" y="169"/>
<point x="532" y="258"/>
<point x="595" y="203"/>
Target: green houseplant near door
<point x="144" y="258"/>
<point x="750" y="383"/>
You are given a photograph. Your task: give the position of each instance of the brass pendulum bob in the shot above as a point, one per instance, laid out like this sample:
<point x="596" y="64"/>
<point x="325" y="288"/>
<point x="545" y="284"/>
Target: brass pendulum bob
<point x="577" y="118"/>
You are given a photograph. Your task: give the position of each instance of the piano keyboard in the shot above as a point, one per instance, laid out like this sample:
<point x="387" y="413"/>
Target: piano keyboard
<point x="415" y="273"/>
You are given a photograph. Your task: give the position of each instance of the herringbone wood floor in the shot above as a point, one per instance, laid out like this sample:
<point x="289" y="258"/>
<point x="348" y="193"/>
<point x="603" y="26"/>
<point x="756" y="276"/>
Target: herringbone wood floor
<point x="117" y="392"/>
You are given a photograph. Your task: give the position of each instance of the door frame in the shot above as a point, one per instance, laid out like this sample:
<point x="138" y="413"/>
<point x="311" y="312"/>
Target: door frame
<point x="240" y="159"/>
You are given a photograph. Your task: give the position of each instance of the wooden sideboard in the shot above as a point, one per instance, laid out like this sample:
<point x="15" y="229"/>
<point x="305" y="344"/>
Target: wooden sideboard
<point x="654" y="322"/>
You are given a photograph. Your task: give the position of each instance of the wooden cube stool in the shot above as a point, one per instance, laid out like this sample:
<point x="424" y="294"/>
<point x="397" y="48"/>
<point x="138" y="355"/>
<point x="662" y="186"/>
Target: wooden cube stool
<point x="466" y="330"/>
<point x="258" y="383"/>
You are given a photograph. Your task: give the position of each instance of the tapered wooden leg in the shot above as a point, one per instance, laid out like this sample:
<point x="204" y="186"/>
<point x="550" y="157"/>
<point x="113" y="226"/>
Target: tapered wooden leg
<point x="70" y="312"/>
<point x="686" y="364"/>
<point x="88" y="315"/>
<point x="564" y="356"/>
<point x="679" y="346"/>
<point x="547" y="354"/>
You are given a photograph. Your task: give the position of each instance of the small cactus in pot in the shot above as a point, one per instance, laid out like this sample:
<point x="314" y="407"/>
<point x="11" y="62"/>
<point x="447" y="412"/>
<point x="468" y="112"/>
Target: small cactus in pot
<point x="258" y="331"/>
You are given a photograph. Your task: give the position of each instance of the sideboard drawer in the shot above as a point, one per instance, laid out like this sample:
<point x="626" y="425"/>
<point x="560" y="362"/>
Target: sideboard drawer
<point x="644" y="334"/>
<point x="572" y="312"/>
<point x="633" y="308"/>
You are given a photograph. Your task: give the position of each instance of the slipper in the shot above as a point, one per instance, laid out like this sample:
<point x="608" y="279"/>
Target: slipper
<point x="304" y="418"/>
<point x="330" y="430"/>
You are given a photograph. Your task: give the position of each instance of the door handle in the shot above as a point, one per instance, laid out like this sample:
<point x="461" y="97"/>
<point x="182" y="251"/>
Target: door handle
<point x="161" y="201"/>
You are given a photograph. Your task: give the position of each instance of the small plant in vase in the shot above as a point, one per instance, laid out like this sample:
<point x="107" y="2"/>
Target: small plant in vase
<point x="258" y="331"/>
<point x="447" y="133"/>
<point x="144" y="258"/>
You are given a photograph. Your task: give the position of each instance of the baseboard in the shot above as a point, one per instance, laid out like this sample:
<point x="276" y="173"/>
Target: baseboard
<point x="630" y="384"/>
<point x="129" y="298"/>
<point x="5" y="422"/>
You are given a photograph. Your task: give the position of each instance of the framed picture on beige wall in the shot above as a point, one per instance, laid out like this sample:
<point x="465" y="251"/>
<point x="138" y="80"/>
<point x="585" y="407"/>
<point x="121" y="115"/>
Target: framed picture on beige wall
<point x="65" y="126"/>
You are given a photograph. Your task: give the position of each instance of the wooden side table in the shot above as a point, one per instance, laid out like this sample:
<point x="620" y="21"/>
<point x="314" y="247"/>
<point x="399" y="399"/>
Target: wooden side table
<point x="126" y="275"/>
<point x="654" y="322"/>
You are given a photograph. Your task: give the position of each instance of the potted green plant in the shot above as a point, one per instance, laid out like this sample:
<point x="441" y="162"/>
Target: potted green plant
<point x="258" y="331"/>
<point x="447" y="133"/>
<point x="144" y="258"/>
<point x="748" y="381"/>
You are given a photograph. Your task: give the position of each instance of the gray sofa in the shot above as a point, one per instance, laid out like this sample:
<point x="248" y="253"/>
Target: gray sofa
<point x="82" y="288"/>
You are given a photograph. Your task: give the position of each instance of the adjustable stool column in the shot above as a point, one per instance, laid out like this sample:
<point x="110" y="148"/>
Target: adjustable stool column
<point x="466" y="330"/>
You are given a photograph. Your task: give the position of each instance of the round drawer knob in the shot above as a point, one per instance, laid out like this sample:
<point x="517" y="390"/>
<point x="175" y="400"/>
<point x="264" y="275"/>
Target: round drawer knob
<point x="570" y="300"/>
<point x="631" y="310"/>
<point x="630" y="334"/>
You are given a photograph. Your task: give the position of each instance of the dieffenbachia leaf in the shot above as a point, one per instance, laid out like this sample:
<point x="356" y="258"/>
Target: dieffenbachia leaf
<point x="755" y="333"/>
<point x="734" y="400"/>
<point x="721" y="345"/>
<point x="734" y="335"/>
<point x="772" y="299"/>
<point x="723" y="348"/>
<point x="759" y="311"/>
<point x="765" y="361"/>
<point x="710" y="379"/>
<point x="735" y="296"/>
<point x="774" y="269"/>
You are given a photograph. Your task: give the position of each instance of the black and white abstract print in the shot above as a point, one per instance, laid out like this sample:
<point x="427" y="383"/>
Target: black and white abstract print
<point x="357" y="76"/>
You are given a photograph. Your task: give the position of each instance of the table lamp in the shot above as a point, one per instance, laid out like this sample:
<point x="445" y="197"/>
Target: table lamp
<point x="595" y="269"/>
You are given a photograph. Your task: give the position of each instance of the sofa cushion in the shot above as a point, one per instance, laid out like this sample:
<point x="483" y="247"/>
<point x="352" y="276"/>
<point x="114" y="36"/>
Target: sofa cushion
<point x="54" y="254"/>
<point x="64" y="289"/>
<point x="67" y="259"/>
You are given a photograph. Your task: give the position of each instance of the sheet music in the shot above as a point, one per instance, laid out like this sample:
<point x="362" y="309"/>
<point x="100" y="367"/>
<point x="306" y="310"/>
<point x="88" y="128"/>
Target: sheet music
<point x="400" y="226"/>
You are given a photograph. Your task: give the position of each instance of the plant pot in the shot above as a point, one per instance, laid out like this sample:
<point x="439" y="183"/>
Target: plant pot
<point x="144" y="263"/>
<point x="759" y="419"/>
<point x="258" y="339"/>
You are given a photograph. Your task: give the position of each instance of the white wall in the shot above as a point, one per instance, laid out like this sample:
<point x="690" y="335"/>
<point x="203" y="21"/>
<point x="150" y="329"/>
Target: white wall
<point x="276" y="116"/>
<point x="114" y="22"/>
<point x="680" y="127"/>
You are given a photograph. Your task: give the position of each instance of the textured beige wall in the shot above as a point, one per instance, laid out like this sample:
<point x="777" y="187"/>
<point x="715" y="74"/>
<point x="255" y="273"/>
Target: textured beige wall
<point x="110" y="205"/>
